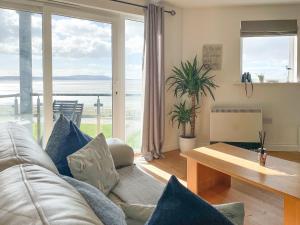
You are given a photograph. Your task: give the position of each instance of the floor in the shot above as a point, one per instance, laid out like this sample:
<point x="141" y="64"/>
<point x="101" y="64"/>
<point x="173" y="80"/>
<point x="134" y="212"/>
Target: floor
<point x="262" y="208"/>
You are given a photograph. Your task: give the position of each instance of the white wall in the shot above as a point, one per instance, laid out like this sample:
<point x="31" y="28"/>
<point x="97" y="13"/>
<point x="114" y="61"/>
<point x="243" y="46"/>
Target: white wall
<point x="280" y="102"/>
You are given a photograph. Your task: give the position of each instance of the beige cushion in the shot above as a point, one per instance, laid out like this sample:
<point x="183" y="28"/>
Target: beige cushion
<point x="94" y="164"/>
<point x="18" y="147"/>
<point x="31" y="194"/>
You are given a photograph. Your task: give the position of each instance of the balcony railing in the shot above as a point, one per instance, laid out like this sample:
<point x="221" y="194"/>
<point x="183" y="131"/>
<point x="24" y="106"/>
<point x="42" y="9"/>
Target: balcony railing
<point x="37" y="109"/>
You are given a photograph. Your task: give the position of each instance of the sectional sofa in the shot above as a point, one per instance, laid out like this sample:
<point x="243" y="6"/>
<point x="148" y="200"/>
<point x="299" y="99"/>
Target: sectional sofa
<point x="32" y="192"/>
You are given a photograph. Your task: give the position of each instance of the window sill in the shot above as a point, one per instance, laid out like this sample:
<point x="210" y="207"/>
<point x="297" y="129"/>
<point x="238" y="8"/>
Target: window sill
<point x="270" y="84"/>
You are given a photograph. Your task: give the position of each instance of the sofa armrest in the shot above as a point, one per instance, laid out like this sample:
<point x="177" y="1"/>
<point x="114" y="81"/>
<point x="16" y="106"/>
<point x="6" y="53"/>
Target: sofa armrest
<point x="122" y="153"/>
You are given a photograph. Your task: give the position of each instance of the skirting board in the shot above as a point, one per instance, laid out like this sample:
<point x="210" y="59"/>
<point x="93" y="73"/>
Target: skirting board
<point x="168" y="148"/>
<point x="283" y="148"/>
<point x="272" y="147"/>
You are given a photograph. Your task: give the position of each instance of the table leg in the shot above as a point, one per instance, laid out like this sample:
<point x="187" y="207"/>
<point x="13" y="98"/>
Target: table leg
<point x="201" y="178"/>
<point x="291" y="211"/>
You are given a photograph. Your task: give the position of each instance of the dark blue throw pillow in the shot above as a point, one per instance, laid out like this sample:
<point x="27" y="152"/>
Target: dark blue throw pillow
<point x="60" y="131"/>
<point x="74" y="141"/>
<point x="179" y="206"/>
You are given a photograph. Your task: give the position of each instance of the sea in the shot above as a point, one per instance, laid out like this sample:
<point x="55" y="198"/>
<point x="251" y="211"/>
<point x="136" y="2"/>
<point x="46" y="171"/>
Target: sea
<point x="133" y="91"/>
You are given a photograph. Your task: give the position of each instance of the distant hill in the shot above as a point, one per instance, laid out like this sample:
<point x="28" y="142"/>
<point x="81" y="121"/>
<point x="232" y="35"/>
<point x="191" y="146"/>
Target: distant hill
<point x="75" y="77"/>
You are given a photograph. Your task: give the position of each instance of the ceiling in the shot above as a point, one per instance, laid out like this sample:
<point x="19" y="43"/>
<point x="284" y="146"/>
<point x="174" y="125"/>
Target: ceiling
<point x="211" y="3"/>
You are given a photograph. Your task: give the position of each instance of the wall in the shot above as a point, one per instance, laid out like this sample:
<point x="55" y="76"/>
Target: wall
<point x="173" y="53"/>
<point x="279" y="102"/>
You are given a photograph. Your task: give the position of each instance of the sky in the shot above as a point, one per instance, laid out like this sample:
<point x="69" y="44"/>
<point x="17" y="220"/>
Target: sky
<point x="79" y="47"/>
<point x="83" y="47"/>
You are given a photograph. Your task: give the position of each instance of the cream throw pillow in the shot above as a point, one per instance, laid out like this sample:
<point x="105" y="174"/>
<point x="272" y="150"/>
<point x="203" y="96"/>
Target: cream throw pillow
<point x="94" y="164"/>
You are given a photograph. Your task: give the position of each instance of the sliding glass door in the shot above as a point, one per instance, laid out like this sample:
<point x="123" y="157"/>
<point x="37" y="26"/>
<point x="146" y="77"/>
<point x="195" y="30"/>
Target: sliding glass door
<point x="82" y="71"/>
<point x="21" y="70"/>
<point x="85" y="64"/>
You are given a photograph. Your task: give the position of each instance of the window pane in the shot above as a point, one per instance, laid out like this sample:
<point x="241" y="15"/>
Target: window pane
<point x="82" y="71"/>
<point x="21" y="73"/>
<point x="134" y="36"/>
<point x="271" y="58"/>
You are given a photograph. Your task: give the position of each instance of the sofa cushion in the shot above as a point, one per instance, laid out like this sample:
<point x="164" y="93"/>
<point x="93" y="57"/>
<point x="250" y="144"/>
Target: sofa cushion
<point x="233" y="211"/>
<point x="177" y="202"/>
<point x="94" y="164"/>
<point x="134" y="179"/>
<point x="18" y="147"/>
<point x="133" y="222"/>
<point x="31" y="194"/>
<point x="59" y="132"/>
<point x="114" y="198"/>
<point x="74" y="141"/>
<point x="141" y="213"/>
<point x="137" y="212"/>
<point x="123" y="154"/>
<point x="104" y="208"/>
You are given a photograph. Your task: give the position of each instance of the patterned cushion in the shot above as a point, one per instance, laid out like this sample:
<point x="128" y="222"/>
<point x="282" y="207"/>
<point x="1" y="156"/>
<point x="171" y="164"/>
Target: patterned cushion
<point x="108" y="212"/>
<point x="179" y="206"/>
<point x="94" y="165"/>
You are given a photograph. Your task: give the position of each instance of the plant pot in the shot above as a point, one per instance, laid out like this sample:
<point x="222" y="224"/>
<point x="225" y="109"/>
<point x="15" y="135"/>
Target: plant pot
<point x="186" y="143"/>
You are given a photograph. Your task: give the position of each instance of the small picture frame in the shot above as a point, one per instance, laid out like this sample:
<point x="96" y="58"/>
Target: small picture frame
<point x="212" y="55"/>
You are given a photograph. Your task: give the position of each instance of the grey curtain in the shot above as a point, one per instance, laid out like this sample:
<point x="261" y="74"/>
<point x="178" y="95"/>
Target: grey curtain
<point x="153" y="118"/>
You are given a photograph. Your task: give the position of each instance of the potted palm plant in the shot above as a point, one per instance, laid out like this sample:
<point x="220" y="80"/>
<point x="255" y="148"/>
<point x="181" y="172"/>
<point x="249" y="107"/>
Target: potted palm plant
<point x="182" y="115"/>
<point x="192" y="81"/>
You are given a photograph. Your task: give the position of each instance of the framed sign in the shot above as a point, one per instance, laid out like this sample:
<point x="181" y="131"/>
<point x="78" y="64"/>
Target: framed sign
<point x="212" y="55"/>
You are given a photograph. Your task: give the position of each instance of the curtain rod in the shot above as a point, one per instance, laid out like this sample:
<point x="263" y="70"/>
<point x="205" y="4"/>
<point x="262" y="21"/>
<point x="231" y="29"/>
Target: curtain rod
<point x="171" y="12"/>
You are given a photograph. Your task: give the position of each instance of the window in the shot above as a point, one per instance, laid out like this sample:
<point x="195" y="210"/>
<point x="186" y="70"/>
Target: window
<point x="269" y="50"/>
<point x="21" y="70"/>
<point x="270" y="59"/>
<point x="82" y="70"/>
<point x="134" y="42"/>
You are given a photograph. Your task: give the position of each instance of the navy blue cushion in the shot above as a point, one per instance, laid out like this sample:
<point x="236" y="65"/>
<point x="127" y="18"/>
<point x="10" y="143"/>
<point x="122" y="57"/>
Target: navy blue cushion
<point x="60" y="131"/>
<point x="179" y="206"/>
<point x="104" y="208"/>
<point x="74" y="141"/>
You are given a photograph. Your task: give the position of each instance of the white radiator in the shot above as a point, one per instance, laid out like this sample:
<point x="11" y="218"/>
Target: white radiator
<point x="235" y="125"/>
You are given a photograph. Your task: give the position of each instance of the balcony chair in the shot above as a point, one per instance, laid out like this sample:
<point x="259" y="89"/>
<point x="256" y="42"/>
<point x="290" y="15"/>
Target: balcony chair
<point x="72" y="110"/>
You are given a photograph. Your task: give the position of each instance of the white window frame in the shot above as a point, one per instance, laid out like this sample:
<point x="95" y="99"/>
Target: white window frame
<point x="117" y="20"/>
<point x="293" y="59"/>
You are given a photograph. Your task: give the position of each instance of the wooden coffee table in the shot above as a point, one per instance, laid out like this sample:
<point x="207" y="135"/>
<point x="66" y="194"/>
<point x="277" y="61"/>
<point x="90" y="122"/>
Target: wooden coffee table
<point x="214" y="165"/>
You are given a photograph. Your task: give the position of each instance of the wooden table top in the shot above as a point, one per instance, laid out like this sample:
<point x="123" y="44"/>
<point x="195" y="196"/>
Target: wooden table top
<point x="279" y="176"/>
